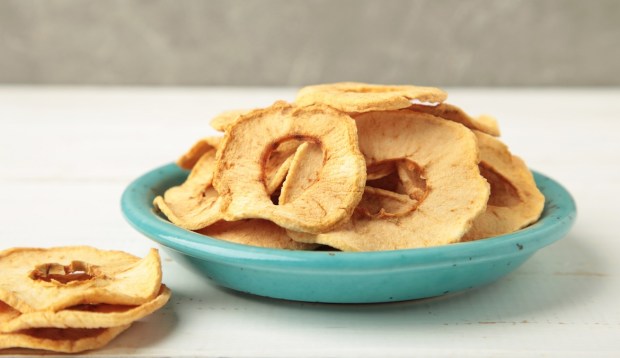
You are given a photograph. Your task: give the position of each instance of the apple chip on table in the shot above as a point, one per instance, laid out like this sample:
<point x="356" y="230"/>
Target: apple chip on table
<point x="71" y="299"/>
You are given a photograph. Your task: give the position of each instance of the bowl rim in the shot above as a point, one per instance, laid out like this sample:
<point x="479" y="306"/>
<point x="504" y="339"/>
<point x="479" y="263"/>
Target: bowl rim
<point x="136" y="205"/>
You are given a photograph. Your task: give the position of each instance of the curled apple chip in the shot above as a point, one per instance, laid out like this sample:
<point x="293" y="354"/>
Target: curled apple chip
<point x="69" y="340"/>
<point x="222" y="121"/>
<point x="305" y="170"/>
<point x="355" y="97"/>
<point x="53" y="279"/>
<point x="255" y="232"/>
<point x="438" y="171"/>
<point x="380" y="170"/>
<point x="376" y="201"/>
<point x="484" y="123"/>
<point x="379" y="203"/>
<point x="195" y="203"/>
<point x="80" y="316"/>
<point x="278" y="163"/>
<point x="515" y="201"/>
<point x="248" y="144"/>
<point x="200" y="148"/>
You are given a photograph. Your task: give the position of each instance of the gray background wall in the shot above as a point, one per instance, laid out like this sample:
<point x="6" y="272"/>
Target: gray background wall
<point x="294" y="42"/>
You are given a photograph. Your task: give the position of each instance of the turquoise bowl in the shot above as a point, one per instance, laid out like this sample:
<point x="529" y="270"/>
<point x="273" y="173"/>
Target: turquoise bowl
<point x="345" y="277"/>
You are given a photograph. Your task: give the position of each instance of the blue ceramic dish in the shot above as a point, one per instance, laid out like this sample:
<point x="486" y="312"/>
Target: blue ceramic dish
<point x="345" y="277"/>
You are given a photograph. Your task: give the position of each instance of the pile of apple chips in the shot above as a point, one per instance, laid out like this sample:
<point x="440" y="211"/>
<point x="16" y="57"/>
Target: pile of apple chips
<point x="72" y="299"/>
<point x="356" y="167"/>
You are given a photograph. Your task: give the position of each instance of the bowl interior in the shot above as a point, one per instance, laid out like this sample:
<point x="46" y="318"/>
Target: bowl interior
<point x="285" y="273"/>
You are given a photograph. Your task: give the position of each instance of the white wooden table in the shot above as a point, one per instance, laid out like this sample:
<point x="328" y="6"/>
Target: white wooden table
<point x="67" y="153"/>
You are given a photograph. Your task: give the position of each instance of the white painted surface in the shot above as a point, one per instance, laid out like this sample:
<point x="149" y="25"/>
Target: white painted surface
<point x="66" y="154"/>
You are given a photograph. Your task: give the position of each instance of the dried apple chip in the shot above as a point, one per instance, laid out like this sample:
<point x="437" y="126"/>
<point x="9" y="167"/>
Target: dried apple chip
<point x="355" y="97"/>
<point x="376" y="202"/>
<point x="191" y="157"/>
<point x="278" y="163"/>
<point x="445" y="156"/>
<point x="195" y="203"/>
<point x="52" y="279"/>
<point x="304" y="171"/>
<point x="379" y="203"/>
<point x="411" y="180"/>
<point x="222" y="121"/>
<point x="275" y="175"/>
<point x="255" y="232"/>
<point x="380" y="170"/>
<point x="484" y="123"/>
<point x="70" y="340"/>
<point x="248" y="144"/>
<point x="400" y="176"/>
<point x="515" y="201"/>
<point x="80" y="316"/>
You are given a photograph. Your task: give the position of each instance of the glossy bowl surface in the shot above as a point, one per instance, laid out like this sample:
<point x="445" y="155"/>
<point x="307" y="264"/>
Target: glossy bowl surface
<point x="345" y="277"/>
